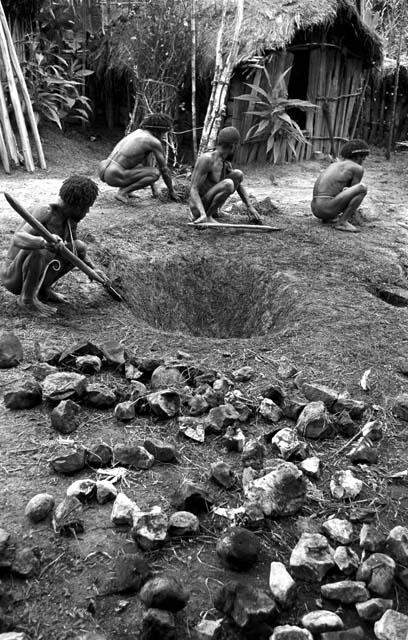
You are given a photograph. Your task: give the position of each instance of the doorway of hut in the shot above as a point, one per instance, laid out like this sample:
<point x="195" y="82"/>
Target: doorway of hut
<point x="298" y="85"/>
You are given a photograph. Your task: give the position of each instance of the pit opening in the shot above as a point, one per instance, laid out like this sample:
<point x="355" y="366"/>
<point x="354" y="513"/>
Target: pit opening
<point x="393" y="295"/>
<point x="215" y="297"/>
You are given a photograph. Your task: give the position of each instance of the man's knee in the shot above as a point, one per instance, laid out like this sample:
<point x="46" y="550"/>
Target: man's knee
<point x="155" y="174"/>
<point x="363" y="188"/>
<point x="236" y="176"/>
<point x="228" y="185"/>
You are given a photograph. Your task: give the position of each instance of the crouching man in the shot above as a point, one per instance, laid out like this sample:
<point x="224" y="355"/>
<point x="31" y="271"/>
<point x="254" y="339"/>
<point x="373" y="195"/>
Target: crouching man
<point x="338" y="191"/>
<point x="32" y="265"/>
<point x="214" y="180"/>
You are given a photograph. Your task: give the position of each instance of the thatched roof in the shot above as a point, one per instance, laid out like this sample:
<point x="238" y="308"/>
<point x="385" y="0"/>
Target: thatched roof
<point x="273" y="24"/>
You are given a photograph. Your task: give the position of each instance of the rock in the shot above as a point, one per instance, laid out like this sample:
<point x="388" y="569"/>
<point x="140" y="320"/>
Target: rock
<point x="222" y="385"/>
<point x="129" y="574"/>
<point x="273" y="391"/>
<point x="25" y="563"/>
<point x="219" y="418"/>
<point x="99" y="395"/>
<point x="148" y="365"/>
<point x="157" y="623"/>
<point x="137" y="390"/>
<point x="65" y="417"/>
<point x="125" y="411"/>
<point x="363" y="452"/>
<point x="370" y="538"/>
<point x="13" y="635"/>
<point x="183" y="355"/>
<point x="69" y="461"/>
<point x="234" y="439"/>
<point x="282" y="585"/>
<point x="91" y="635"/>
<point x="356" y="633"/>
<point x="287" y="442"/>
<point x="4" y="540"/>
<point x="132" y="372"/>
<point x="345" y="426"/>
<point x="223" y="475"/>
<point x="322" y="620"/>
<point x="84" y="490"/>
<point x="339" y="530"/>
<point x="132" y="456"/>
<point x="372" y="610"/>
<point x="320" y="393"/>
<point x="83" y="348"/>
<point x="244" y="374"/>
<point x="346" y="560"/>
<point x="11" y="350"/>
<point x="192" y="428"/>
<point x="314" y="422"/>
<point x="286" y="369"/>
<point x="208" y="630"/>
<point x="48" y="351"/>
<point x="311" y="558"/>
<point x="391" y="626"/>
<point x="192" y="497"/>
<point x="292" y="406"/>
<point x="99" y="455"/>
<point x="373" y="430"/>
<point x="88" y="364"/>
<point x="290" y="632"/>
<point x="197" y="405"/>
<point x="269" y="410"/>
<point x="238" y="548"/>
<point x="311" y="467"/>
<point x="164" y="592"/>
<point x="355" y="408"/>
<point x="164" y="404"/>
<point x="183" y="523"/>
<point x="253" y="454"/>
<point x="63" y="386"/>
<point x="150" y="529"/>
<point x="162" y="451"/>
<point x="39" y="507"/>
<point x="67" y="517"/>
<point x="345" y="591"/>
<point x="400" y="406"/>
<point x="41" y="370"/>
<point x="397" y="545"/>
<point x="164" y="377"/>
<point x="378" y="571"/>
<point x="25" y="394"/>
<point x="245" y="604"/>
<point x="213" y="398"/>
<point x="114" y="352"/>
<point x="105" y="491"/>
<point x="344" y="484"/>
<point x="123" y="510"/>
<point x="279" y="493"/>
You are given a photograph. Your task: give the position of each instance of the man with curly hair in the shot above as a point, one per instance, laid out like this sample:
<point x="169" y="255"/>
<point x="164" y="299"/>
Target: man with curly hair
<point x="128" y="165"/>
<point x="338" y="191"/>
<point x="32" y="265"/>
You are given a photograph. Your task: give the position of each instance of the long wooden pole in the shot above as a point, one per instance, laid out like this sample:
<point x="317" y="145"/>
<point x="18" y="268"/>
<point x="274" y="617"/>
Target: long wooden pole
<point x="193" y="78"/>
<point x="7" y="130"/>
<point x="402" y="27"/>
<point x="15" y="100"/>
<point x="23" y="87"/>
<point x="3" y="153"/>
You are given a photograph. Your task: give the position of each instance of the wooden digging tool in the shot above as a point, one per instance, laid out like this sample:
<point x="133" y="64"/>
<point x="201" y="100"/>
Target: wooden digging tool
<point x="63" y="251"/>
<point x="254" y="228"/>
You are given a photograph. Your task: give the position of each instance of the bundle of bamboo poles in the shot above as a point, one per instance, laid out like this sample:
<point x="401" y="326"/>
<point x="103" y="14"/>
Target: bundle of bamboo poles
<point x="19" y="97"/>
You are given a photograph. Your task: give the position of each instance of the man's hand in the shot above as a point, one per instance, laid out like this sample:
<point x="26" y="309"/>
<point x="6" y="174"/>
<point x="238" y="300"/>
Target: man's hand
<point x="103" y="277"/>
<point x="54" y="245"/>
<point x="173" y="196"/>
<point x="254" y="215"/>
<point x="155" y="191"/>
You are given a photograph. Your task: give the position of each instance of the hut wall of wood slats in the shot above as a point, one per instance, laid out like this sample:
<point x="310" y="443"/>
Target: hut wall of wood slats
<point x="335" y="80"/>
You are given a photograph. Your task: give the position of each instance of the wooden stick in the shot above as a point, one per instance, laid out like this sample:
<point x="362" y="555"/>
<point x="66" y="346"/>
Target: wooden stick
<point x="7" y="130"/>
<point x="3" y="153"/>
<point x="23" y="87"/>
<point x="255" y="228"/>
<point x="18" y="112"/>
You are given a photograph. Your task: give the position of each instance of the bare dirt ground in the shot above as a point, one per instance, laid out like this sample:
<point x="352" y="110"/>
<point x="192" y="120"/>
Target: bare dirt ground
<point x="229" y="299"/>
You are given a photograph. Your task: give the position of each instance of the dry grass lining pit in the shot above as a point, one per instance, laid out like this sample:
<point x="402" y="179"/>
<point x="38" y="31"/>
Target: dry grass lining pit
<point x="215" y="297"/>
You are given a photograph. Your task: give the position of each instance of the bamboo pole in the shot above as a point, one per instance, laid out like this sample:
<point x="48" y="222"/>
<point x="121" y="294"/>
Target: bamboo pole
<point x="7" y="130"/>
<point x="23" y="87"/>
<point x="15" y="100"/>
<point x="3" y="153"/>
<point x="193" y="78"/>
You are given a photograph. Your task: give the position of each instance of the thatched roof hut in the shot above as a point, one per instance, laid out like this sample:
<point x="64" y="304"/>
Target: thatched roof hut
<point x="325" y="42"/>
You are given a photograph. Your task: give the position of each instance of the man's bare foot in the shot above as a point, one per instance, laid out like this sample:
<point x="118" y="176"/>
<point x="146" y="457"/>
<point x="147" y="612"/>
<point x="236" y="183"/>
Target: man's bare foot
<point x="205" y="220"/>
<point x="35" y="307"/>
<point x="124" y="198"/>
<point x="49" y="295"/>
<point x="346" y="226"/>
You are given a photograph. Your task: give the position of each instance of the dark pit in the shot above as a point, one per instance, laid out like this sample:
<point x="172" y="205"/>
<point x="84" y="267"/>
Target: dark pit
<point x="395" y="296"/>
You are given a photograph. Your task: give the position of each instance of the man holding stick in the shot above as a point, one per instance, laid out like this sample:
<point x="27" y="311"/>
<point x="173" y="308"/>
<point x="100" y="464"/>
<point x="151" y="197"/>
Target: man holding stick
<point x="33" y="265"/>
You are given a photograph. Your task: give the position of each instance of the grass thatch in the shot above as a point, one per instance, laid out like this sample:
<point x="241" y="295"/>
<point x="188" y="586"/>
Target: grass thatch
<point x="272" y="24"/>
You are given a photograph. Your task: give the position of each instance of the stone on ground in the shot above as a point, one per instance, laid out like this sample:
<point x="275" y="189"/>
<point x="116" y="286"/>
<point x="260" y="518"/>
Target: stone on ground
<point x="165" y="377"/>
<point x="88" y="364"/>
<point x="311" y="467"/>
<point x="164" y="592"/>
<point x="373" y="430"/>
<point x="311" y="558"/>
<point x="234" y="439"/>
<point x="320" y="393"/>
<point x="99" y="455"/>
<point x="48" y="351"/>
<point x="400" y="407"/>
<point x="25" y="563"/>
<point x="269" y="410"/>
<point x="192" y="428"/>
<point x="246" y="605"/>
<point x="244" y="374"/>
<point x="65" y="417"/>
<point x="345" y="591"/>
<point x="11" y="350"/>
<point x="113" y="352"/>
<point x="253" y="454"/>
<point x="287" y="442"/>
<point x="355" y="408"/>
<point x="13" y="635"/>
<point x="183" y="523"/>
<point x="128" y="575"/>
<point x="164" y="404"/>
<point x="123" y="510"/>
<point x="137" y="390"/>
<point x="208" y="630"/>
<point x="356" y="633"/>
<point x="192" y="496"/>
<point x="84" y="489"/>
<point x="41" y="370"/>
<point x="132" y="456"/>
<point x="292" y="406"/>
<point x="373" y="609"/>
<point x="83" y="348"/>
<point x="150" y="529"/>
<point x="274" y="391"/>
<point x="286" y="369"/>
<point x="69" y="461"/>
<point x="162" y="451"/>
<point x="238" y="548"/>
<point x="371" y="539"/>
<point x="397" y="545"/>
<point x="221" y="417"/>
<point x="279" y="493"/>
<point x="314" y="422"/>
<point x="105" y="491"/>
<point x="63" y="386"/>
<point x="125" y="411"/>
<point x="25" y="394"/>
<point x="157" y="623"/>
<point x="363" y="452"/>
<point x="39" y="507"/>
<point x="197" y="405"/>
<point x="290" y="632"/>
<point x="344" y="484"/>
<point x="322" y="620"/>
<point x="222" y="384"/>
<point x="339" y="530"/>
<point x="282" y="585"/>
<point x="392" y="626"/>
<point x="67" y="517"/>
<point x="346" y="560"/>
<point x="99" y="395"/>
<point x="223" y="475"/>
<point x="378" y="572"/>
<point x="4" y="540"/>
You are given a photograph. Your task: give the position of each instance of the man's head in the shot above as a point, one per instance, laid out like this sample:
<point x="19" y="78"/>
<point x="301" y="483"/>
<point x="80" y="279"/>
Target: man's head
<point x="355" y="150"/>
<point x="157" y="124"/>
<point x="227" y="141"/>
<point x="78" y="194"/>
